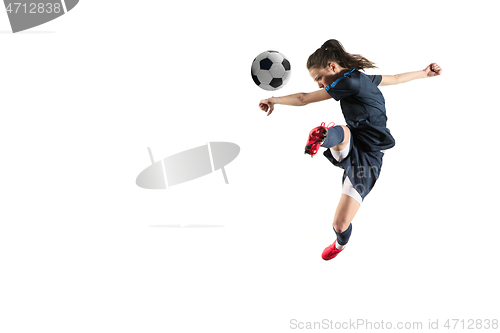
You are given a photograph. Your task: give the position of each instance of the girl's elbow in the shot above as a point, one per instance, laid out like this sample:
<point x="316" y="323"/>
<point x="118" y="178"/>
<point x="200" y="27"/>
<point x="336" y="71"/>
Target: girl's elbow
<point x="302" y="99"/>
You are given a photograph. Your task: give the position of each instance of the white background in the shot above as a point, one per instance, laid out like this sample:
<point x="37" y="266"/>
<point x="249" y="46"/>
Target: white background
<point x="83" y="249"/>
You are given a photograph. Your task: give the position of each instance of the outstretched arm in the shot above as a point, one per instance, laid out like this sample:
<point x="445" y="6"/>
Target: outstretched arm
<point x="431" y="70"/>
<point x="299" y="99"/>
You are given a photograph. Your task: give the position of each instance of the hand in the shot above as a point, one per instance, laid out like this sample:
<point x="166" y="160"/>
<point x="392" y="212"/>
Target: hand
<point x="267" y="106"/>
<point x="433" y="70"/>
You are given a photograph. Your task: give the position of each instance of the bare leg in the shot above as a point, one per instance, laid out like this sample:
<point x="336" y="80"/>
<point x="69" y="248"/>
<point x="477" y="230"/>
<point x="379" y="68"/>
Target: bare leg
<point x="346" y="210"/>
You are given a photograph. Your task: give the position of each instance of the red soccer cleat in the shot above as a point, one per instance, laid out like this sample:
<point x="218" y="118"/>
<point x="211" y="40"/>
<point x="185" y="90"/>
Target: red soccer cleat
<point x="330" y="252"/>
<point x="316" y="138"/>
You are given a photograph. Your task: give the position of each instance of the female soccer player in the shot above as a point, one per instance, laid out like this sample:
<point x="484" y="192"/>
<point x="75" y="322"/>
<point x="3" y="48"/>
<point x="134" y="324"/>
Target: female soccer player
<point x="356" y="148"/>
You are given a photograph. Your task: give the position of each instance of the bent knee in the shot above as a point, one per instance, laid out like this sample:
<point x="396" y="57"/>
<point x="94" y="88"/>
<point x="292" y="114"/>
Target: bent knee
<point x="341" y="224"/>
<point x="346" y="130"/>
<point x="347" y="137"/>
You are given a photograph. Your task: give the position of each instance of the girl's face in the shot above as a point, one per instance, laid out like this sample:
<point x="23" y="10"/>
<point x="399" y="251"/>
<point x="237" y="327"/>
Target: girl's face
<point x="325" y="76"/>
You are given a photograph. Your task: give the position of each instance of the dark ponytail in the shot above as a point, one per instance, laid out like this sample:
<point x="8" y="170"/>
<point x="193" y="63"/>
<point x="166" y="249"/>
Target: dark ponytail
<point x="333" y="51"/>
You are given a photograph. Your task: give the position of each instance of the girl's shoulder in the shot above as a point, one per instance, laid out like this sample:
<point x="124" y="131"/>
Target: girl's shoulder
<point x="375" y="79"/>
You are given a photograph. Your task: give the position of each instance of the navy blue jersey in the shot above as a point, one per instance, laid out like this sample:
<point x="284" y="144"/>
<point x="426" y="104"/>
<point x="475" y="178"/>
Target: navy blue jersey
<point x="363" y="106"/>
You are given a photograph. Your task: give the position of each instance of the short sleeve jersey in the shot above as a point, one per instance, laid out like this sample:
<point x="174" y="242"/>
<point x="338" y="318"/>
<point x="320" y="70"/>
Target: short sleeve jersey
<point x="363" y="106"/>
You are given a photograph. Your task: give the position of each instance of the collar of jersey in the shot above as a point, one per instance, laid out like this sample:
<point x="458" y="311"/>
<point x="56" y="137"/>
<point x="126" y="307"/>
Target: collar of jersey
<point x="340" y="78"/>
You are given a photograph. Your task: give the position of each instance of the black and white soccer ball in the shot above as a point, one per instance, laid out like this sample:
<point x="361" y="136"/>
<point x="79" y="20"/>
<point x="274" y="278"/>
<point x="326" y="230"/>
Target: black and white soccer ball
<point x="271" y="70"/>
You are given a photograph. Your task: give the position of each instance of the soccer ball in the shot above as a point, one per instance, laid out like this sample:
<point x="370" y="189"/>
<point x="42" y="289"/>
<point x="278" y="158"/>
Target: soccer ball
<point x="271" y="70"/>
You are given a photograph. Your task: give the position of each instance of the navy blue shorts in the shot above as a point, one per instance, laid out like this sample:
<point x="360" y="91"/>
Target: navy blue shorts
<point x="362" y="167"/>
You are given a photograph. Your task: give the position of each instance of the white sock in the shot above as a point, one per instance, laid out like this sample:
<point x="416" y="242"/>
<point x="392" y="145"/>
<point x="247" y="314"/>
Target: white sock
<point x="338" y="246"/>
